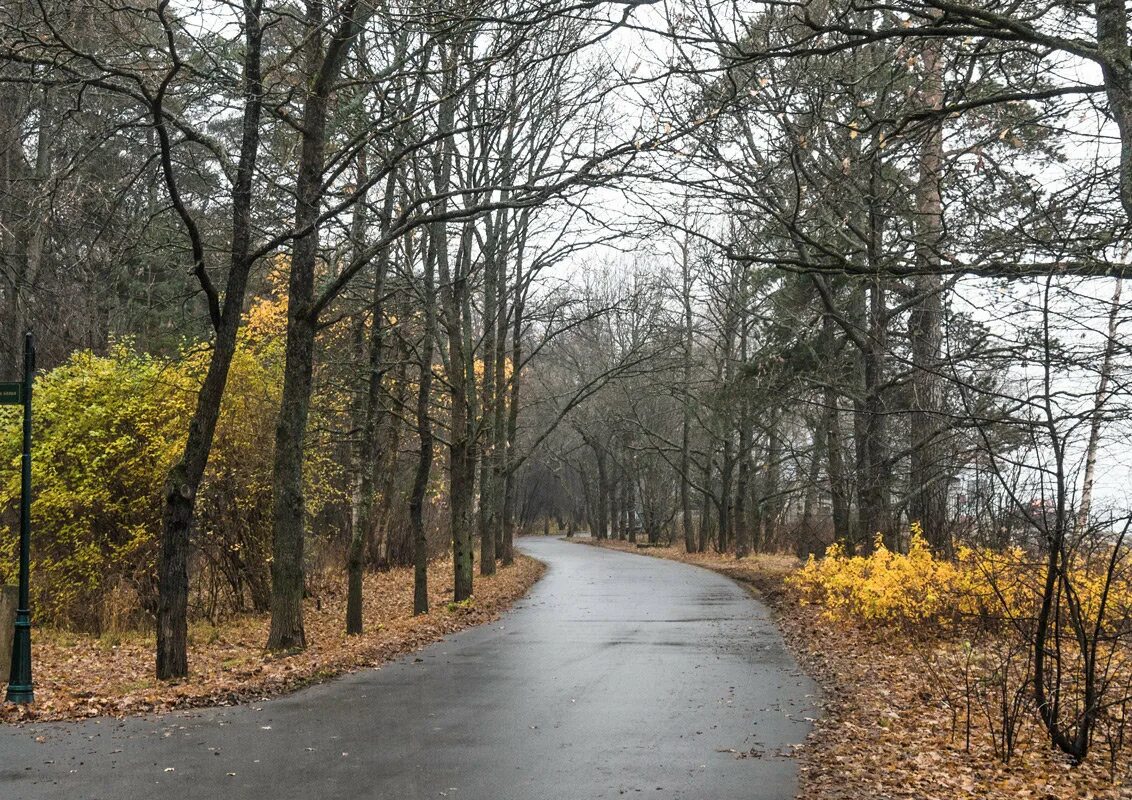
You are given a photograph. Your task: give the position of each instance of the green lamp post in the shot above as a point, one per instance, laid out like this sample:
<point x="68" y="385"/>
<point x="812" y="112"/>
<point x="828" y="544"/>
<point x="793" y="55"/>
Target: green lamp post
<point x="19" y="678"/>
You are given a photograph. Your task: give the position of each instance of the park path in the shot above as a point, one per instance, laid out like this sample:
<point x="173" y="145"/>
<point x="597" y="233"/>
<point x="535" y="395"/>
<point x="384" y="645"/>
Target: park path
<point x="618" y="675"/>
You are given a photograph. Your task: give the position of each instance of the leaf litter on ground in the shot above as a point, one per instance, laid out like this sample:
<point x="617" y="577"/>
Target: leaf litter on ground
<point x="78" y="676"/>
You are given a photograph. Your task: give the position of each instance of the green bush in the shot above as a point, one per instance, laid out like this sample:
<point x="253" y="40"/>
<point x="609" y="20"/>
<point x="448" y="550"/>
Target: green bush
<point x="106" y="431"/>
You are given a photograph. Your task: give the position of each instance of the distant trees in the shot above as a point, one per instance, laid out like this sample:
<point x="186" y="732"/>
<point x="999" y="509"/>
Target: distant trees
<point x="847" y="168"/>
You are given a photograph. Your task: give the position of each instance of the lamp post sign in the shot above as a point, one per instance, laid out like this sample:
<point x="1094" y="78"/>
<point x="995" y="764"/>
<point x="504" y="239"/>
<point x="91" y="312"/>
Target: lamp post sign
<point x="19" y="678"/>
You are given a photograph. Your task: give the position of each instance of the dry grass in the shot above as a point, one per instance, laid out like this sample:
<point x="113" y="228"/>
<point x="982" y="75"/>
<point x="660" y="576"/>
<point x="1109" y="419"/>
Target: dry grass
<point x="82" y="676"/>
<point x="894" y="714"/>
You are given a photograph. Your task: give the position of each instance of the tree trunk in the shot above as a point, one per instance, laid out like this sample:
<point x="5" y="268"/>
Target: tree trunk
<point x="288" y="512"/>
<point x="424" y="437"/>
<point x="379" y="545"/>
<point x="602" y="507"/>
<point x="369" y="456"/>
<point x="184" y="479"/>
<point x="928" y="474"/>
<point x="838" y="480"/>
<point x="771" y="500"/>
<point x="461" y="457"/>
<point x="626" y="508"/>
<point x="498" y="461"/>
<point x="616" y="506"/>
<point x="726" y="472"/>
<point x="705" y="507"/>
<point x="461" y="468"/>
<point x="496" y="265"/>
<point x="1097" y="419"/>
<point x="488" y="488"/>
<point x="742" y="485"/>
<point x="454" y="289"/>
<point x="873" y="503"/>
<point x="509" y="460"/>
<point x="634" y="507"/>
<point x="1116" y="67"/>
<point x="686" y="426"/>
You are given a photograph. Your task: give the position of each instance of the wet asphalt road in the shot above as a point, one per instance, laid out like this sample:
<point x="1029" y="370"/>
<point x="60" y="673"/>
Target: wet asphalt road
<point x="618" y="676"/>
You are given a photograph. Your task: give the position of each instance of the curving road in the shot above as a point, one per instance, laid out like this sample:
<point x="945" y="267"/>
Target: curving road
<point x="619" y="675"/>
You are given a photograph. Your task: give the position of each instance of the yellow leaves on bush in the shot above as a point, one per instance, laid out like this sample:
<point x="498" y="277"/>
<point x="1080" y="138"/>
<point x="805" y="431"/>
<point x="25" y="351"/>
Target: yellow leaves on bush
<point x="265" y="321"/>
<point x="884" y="586"/>
<point x="980" y="584"/>
<point x="108" y="428"/>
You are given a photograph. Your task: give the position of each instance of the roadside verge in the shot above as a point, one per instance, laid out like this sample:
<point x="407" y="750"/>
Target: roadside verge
<point x="79" y="676"/>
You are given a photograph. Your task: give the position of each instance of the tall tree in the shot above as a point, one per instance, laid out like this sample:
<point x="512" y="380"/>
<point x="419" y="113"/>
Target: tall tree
<point x="323" y="65"/>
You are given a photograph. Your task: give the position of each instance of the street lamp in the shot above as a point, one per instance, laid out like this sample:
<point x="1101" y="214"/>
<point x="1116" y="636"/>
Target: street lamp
<point x="19" y="679"/>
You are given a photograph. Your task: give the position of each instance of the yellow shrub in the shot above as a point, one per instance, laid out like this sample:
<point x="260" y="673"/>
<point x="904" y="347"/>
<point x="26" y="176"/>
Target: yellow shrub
<point x="981" y="584"/>
<point x="884" y="586"/>
<point x="107" y="430"/>
<point x="996" y="583"/>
